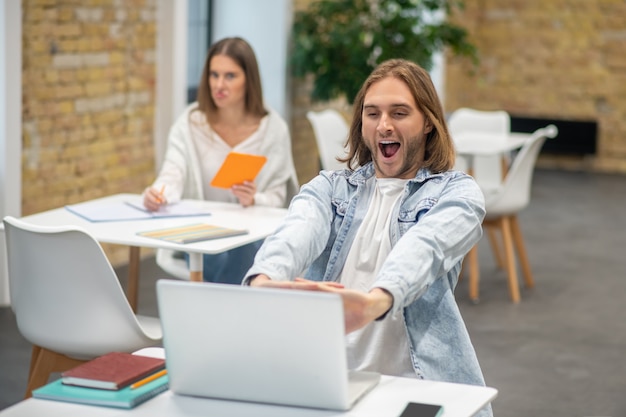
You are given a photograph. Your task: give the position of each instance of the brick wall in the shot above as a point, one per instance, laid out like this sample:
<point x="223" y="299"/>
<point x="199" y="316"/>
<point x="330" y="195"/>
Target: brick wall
<point x="561" y="59"/>
<point x="305" y="153"/>
<point x="304" y="149"/>
<point x="88" y="101"/>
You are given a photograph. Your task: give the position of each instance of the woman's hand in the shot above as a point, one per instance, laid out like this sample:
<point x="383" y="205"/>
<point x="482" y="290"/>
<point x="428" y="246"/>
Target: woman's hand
<point x="153" y="199"/>
<point x="245" y="193"/>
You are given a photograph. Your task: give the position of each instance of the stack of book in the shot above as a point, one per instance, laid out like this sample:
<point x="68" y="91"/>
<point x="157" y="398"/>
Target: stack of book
<point x="190" y="233"/>
<point x="117" y="379"/>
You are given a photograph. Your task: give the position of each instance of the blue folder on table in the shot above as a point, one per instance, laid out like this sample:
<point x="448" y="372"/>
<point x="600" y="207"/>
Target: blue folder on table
<point x="123" y="398"/>
<point x="133" y="209"/>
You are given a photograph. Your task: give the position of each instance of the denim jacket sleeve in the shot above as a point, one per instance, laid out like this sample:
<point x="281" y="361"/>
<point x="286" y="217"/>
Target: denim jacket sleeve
<point x="301" y="237"/>
<point x="437" y="225"/>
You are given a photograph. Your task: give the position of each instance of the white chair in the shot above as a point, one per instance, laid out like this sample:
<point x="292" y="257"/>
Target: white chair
<point x="487" y="170"/>
<point x="67" y="299"/>
<point x="173" y="263"/>
<point x="331" y="134"/>
<point x="502" y="205"/>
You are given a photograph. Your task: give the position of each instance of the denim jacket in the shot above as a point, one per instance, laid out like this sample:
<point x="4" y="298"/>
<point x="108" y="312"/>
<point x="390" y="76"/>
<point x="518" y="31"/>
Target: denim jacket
<point x="438" y="221"/>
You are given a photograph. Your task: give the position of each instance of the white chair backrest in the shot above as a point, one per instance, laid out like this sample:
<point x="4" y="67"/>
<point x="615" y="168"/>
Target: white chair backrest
<point x="65" y="294"/>
<point x="472" y="120"/>
<point x="514" y="194"/>
<point x="487" y="170"/>
<point x="331" y="134"/>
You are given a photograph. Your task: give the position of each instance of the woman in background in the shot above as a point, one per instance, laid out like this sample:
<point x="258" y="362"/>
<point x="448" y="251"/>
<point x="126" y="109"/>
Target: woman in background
<point x="228" y="116"/>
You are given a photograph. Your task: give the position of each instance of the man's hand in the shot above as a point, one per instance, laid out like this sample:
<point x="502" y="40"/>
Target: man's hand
<point x="359" y="308"/>
<point x="262" y="280"/>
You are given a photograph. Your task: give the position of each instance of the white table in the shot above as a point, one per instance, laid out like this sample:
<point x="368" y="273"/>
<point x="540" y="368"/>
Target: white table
<point x="259" y="221"/>
<point x="473" y="144"/>
<point x="488" y="144"/>
<point x="388" y="399"/>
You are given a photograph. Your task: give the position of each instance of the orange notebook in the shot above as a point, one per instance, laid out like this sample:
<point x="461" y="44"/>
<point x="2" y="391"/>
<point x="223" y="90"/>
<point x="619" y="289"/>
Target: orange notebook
<point x="237" y="168"/>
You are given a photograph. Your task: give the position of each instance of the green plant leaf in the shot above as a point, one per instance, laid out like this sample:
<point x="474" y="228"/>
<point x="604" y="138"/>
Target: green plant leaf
<point x="339" y="42"/>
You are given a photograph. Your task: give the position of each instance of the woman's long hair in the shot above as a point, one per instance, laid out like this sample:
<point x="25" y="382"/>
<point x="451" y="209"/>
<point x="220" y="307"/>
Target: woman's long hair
<point x="241" y="52"/>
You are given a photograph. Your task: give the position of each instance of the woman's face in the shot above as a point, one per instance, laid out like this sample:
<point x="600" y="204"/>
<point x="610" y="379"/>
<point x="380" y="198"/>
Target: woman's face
<point x="227" y="82"/>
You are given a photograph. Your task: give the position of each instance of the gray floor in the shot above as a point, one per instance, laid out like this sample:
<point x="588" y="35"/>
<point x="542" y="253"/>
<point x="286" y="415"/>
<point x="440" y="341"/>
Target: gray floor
<point x="560" y="352"/>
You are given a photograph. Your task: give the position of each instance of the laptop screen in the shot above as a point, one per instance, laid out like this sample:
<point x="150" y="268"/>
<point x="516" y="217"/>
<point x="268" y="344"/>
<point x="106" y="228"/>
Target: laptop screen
<point x="254" y="344"/>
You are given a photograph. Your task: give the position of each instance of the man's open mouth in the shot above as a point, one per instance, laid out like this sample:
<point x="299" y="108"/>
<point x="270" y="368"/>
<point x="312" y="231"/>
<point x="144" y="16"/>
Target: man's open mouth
<point x="389" y="148"/>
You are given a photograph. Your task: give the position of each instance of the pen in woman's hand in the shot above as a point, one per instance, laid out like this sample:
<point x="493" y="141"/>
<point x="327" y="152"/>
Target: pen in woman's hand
<point x="160" y="198"/>
<point x="153" y="199"/>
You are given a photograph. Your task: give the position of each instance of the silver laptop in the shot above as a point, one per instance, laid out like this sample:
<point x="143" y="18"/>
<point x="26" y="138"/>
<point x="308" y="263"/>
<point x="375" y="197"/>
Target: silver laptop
<point x="262" y="345"/>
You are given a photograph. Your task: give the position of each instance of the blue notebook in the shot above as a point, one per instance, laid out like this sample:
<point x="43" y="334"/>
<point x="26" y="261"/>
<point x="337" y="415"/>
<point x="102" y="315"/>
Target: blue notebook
<point x="123" y="398"/>
<point x="133" y="209"/>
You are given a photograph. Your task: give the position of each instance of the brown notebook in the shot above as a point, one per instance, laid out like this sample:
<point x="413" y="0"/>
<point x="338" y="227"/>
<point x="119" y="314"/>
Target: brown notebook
<point x="112" y="371"/>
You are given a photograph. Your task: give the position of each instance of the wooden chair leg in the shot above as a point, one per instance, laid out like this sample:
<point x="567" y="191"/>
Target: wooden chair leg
<point x="521" y="252"/>
<point x="132" y="291"/>
<point x="463" y="268"/>
<point x="505" y="225"/>
<point x="474" y="274"/>
<point x="40" y="372"/>
<point x="495" y="247"/>
<point x="504" y="166"/>
<point x="45" y="364"/>
<point x="33" y="360"/>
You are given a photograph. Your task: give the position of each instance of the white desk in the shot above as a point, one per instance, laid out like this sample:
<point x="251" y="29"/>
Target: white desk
<point x="490" y="147"/>
<point x="488" y="144"/>
<point x="388" y="399"/>
<point x="472" y="144"/>
<point x="259" y="221"/>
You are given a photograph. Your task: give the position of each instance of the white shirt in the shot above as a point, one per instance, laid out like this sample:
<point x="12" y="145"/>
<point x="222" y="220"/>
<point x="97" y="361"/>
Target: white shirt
<point x="381" y="346"/>
<point x="212" y="151"/>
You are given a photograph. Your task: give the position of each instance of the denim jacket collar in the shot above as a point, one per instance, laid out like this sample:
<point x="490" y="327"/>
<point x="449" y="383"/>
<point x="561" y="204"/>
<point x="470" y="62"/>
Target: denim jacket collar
<point x="367" y="171"/>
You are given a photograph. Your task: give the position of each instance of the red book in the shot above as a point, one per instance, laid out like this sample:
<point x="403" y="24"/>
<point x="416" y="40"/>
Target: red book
<point x="112" y="371"/>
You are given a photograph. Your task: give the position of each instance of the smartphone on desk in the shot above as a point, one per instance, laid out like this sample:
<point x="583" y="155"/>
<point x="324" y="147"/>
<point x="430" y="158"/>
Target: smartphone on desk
<point x="422" y="410"/>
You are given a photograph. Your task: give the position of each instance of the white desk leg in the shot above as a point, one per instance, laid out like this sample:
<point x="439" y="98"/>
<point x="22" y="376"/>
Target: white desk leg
<point x="195" y="266"/>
